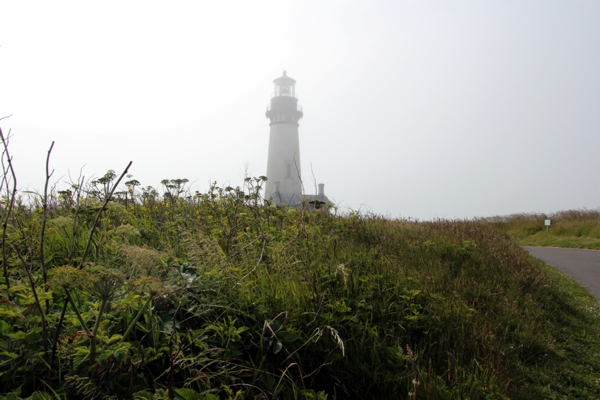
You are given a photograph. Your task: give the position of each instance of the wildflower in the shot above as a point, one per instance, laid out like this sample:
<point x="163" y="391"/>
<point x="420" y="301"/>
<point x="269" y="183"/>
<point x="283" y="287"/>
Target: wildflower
<point x="149" y="284"/>
<point x="70" y="278"/>
<point x="411" y="356"/>
<point x="106" y="283"/>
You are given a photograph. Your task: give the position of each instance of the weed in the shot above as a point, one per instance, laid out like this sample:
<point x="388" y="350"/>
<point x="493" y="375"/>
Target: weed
<point x="218" y="295"/>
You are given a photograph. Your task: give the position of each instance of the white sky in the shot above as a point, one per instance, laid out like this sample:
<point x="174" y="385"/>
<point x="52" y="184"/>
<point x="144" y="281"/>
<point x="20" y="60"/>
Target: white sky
<point x="423" y="109"/>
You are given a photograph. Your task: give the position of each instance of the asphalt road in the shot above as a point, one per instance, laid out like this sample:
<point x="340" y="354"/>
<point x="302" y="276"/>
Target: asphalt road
<point x="581" y="265"/>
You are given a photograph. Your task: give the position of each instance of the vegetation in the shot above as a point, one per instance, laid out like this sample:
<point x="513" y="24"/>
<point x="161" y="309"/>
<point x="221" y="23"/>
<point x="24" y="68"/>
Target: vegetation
<point x="217" y="295"/>
<point x="573" y="228"/>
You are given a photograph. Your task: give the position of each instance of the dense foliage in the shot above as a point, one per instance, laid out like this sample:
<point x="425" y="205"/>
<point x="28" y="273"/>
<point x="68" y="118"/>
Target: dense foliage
<point x="218" y="295"/>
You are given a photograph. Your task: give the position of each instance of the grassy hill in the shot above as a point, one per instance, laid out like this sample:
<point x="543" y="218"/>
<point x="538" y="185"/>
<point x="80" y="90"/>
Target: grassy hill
<point x="216" y="295"/>
<point x="573" y="228"/>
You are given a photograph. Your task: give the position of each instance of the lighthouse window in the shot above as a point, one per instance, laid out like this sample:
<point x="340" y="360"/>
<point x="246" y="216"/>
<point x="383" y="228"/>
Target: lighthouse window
<point x="289" y="170"/>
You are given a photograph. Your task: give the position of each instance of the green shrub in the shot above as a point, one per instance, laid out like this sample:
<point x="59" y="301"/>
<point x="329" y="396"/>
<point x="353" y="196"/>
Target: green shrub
<point x="218" y="295"/>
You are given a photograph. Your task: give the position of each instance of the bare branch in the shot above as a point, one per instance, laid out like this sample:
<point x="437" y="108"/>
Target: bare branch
<point x="314" y="178"/>
<point x="44" y="217"/>
<point x="11" y="198"/>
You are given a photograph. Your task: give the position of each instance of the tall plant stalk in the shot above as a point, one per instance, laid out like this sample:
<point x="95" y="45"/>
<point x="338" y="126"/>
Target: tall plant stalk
<point x="36" y="298"/>
<point x="135" y="320"/>
<point x="11" y="202"/>
<point x="77" y="312"/>
<point x="58" y="328"/>
<point x="93" y="339"/>
<point x="95" y="224"/>
<point x="43" y="229"/>
<point x="75" y="218"/>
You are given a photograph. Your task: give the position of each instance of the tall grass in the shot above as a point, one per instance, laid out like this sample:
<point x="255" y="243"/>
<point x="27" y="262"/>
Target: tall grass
<point x="571" y="228"/>
<point x="221" y="295"/>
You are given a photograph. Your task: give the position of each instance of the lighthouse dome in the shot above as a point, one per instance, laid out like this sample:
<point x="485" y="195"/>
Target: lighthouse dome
<point x="284" y="79"/>
<point x="284" y="86"/>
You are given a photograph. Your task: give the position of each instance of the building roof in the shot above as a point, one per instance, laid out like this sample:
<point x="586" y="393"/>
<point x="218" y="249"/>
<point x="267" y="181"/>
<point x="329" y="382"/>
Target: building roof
<point x="284" y="80"/>
<point x="295" y="200"/>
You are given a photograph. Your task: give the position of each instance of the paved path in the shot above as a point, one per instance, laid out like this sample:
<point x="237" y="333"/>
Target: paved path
<point x="581" y="265"/>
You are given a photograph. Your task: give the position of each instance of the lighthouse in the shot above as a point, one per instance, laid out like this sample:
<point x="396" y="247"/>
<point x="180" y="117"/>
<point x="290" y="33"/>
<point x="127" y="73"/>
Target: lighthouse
<point x="284" y="182"/>
<point x="284" y="179"/>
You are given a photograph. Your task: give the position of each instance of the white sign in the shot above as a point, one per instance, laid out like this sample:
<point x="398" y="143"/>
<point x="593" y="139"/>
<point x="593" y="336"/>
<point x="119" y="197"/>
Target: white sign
<point x="547" y="222"/>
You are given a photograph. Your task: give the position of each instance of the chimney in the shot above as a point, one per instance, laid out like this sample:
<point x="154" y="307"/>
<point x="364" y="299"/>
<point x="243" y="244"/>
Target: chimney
<point x="321" y="189"/>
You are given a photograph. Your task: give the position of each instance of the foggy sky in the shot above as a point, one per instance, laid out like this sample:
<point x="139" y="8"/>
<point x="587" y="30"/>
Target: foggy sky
<point x="422" y="109"/>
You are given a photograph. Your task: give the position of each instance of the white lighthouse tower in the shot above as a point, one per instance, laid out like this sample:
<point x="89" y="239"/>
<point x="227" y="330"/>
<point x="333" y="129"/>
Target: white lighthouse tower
<point x="284" y="182"/>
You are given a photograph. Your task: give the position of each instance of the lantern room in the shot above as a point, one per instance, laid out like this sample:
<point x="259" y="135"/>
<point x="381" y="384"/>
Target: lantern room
<point x="284" y="86"/>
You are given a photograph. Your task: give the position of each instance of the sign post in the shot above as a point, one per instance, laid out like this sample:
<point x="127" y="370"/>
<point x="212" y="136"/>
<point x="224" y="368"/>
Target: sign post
<point x="547" y="223"/>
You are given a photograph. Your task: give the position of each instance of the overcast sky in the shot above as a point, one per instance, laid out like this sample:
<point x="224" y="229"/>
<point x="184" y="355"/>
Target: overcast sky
<point x="422" y="109"/>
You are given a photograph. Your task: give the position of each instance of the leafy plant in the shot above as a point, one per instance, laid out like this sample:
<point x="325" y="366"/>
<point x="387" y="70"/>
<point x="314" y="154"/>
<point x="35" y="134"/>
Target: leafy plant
<point x="221" y="295"/>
